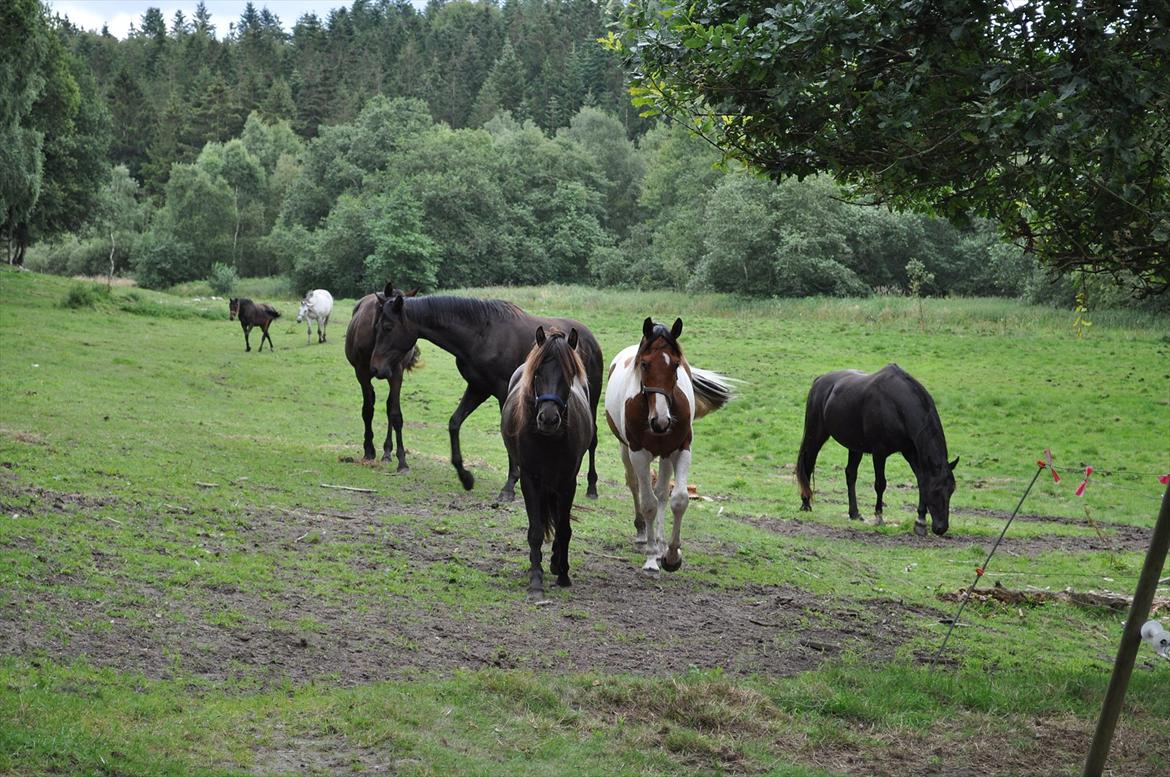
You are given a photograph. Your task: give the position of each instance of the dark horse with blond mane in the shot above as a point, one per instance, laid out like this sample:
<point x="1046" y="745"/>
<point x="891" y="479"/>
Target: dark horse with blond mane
<point x="881" y="414"/>
<point x="359" y="346"/>
<point x="253" y="314"/>
<point x="489" y="340"/>
<point x="651" y="401"/>
<point x="547" y="424"/>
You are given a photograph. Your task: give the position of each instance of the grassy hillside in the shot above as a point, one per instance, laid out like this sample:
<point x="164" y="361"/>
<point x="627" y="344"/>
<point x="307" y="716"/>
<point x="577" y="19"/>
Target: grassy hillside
<point x="179" y="592"/>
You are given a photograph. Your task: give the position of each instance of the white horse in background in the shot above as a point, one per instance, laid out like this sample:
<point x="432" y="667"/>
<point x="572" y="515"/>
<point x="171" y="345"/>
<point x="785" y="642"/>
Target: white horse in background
<point x="316" y="306"/>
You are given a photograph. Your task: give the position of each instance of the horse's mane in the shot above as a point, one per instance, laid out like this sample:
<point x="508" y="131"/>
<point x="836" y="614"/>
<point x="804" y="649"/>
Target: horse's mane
<point x="467" y="310"/>
<point x="931" y="428"/>
<point x="556" y="346"/>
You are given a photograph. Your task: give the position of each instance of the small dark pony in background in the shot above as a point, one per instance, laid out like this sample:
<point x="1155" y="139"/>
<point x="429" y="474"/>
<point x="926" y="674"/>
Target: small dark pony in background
<point x="881" y="414"/>
<point x="547" y="425"/>
<point x="253" y="314"/>
<point x="360" y="336"/>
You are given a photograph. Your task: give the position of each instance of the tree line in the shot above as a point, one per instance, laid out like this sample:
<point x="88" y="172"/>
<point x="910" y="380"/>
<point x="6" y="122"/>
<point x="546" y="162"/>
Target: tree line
<point x="318" y="155"/>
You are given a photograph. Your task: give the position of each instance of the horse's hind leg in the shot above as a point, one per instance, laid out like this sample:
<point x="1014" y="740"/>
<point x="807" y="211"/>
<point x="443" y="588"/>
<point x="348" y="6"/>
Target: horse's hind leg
<point x="267" y="336"/>
<point x="321" y="324"/>
<point x="851" y="483"/>
<point x="879" y="485"/>
<point x="591" y="490"/>
<point x="394" y="416"/>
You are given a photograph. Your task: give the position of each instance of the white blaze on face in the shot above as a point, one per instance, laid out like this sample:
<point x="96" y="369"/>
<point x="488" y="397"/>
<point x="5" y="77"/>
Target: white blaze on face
<point x="659" y="410"/>
<point x="304" y="310"/>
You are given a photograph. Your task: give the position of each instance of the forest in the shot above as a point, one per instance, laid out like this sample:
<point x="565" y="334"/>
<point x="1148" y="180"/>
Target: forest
<point x="465" y="144"/>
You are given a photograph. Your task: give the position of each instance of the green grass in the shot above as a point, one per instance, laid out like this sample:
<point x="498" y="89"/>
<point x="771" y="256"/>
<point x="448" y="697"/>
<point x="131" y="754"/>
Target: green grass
<point x="172" y="444"/>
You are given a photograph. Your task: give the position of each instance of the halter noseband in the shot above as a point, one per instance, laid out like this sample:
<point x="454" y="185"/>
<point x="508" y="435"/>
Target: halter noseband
<point x="552" y="398"/>
<point x="667" y="394"/>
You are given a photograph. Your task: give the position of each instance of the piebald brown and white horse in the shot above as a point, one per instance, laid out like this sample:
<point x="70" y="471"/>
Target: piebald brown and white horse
<point x="651" y="401"/>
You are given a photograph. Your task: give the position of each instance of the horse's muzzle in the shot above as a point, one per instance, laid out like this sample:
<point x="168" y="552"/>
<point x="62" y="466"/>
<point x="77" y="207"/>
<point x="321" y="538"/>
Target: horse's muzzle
<point x="657" y="426"/>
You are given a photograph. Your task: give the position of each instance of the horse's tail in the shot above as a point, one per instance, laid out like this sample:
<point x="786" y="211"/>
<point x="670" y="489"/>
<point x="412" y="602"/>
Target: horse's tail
<point x="810" y="445"/>
<point x="712" y="391"/>
<point x="271" y="311"/>
<point x="410" y="361"/>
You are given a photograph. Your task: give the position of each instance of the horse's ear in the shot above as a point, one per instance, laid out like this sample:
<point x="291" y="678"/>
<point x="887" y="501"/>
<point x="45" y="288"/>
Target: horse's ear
<point x="389" y="290"/>
<point x="540" y="335"/>
<point x="573" y="338"/>
<point x="676" y="330"/>
<point x="397" y="304"/>
<point x="412" y="292"/>
<point x="954" y="464"/>
<point x="381" y="297"/>
<point x="647" y="327"/>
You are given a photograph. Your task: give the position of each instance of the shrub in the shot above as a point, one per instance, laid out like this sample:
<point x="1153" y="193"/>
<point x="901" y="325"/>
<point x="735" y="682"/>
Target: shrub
<point x="84" y="295"/>
<point x="162" y="261"/>
<point x="222" y="279"/>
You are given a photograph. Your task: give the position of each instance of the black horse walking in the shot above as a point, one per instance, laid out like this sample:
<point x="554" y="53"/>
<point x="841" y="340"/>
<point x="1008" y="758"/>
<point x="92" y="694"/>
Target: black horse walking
<point x="548" y="424"/>
<point x="359" y="346"/>
<point x="489" y="340"/>
<point x="253" y="314"/>
<point x="881" y="414"/>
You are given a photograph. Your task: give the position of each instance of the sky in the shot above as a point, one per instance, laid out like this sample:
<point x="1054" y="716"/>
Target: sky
<point x="120" y="14"/>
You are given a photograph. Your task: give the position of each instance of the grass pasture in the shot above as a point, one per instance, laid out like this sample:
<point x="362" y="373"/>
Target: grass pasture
<point x="180" y="594"/>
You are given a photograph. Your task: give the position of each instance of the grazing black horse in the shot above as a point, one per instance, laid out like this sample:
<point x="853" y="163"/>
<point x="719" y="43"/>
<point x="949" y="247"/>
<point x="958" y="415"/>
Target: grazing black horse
<point x="359" y="346"/>
<point x="547" y="425"/>
<point x="881" y="414"/>
<point x="489" y="340"/>
<point x="253" y="314"/>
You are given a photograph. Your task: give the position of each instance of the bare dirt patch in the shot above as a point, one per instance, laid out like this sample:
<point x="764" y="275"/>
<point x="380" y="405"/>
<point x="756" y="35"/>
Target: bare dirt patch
<point x="1114" y="537"/>
<point x="613" y="620"/>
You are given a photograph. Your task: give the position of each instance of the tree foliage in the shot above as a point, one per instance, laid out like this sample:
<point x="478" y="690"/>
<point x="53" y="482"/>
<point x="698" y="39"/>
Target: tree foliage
<point x="1051" y="118"/>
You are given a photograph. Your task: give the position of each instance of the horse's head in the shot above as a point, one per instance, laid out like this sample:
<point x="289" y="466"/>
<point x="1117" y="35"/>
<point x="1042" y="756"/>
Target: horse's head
<point x="394" y="333"/>
<point x="234" y="308"/>
<point x="306" y="306"/>
<point x="545" y="387"/>
<point x="658" y="360"/>
<point x="940" y="484"/>
<point x="555" y="367"/>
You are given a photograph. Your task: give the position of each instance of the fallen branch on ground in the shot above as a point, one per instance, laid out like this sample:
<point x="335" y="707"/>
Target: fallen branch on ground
<point x="1112" y="601"/>
<point x="349" y="488"/>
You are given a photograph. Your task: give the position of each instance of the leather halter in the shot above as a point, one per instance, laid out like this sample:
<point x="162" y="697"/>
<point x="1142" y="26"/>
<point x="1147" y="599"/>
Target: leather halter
<point x="669" y="395"/>
<point x="552" y="398"/>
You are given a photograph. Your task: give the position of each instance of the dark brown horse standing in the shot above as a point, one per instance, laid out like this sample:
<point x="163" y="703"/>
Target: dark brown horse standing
<point x="547" y="425"/>
<point x="359" y="346"/>
<point x="489" y="340"/>
<point x="253" y="314"/>
<point x="881" y="414"/>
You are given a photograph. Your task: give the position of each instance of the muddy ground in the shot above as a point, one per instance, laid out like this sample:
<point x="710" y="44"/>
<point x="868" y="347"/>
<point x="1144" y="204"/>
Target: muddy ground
<point x="614" y="620"/>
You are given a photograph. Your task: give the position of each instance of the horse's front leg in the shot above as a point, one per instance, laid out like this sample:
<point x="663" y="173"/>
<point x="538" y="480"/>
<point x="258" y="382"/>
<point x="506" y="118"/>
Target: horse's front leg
<point x="879" y="484"/>
<point x="368" y="399"/>
<point x="632" y="484"/>
<point x="472" y="398"/>
<point x="920" y="522"/>
<point x="533" y="506"/>
<point x="647" y="503"/>
<point x="851" y="483"/>
<point x="247" y="331"/>
<point x="559" y="565"/>
<point x="394" y="415"/>
<point x="679" y="499"/>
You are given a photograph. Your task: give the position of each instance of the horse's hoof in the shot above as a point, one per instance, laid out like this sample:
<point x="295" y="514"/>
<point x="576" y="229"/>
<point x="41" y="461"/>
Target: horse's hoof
<point x="563" y="581"/>
<point x="467" y="479"/>
<point x="855" y="516"/>
<point x="651" y="572"/>
<point x="669" y="565"/>
<point x="806" y="507"/>
<point x="591" y="493"/>
<point x="536" y="595"/>
<point x="402" y="468"/>
<point x="506" y="496"/>
<point x="878" y="520"/>
<point x="920" y="528"/>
